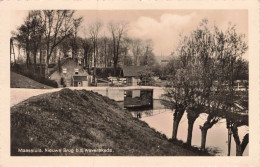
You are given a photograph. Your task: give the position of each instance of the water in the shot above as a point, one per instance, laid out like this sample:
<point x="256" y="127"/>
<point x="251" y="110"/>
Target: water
<point x="161" y="119"/>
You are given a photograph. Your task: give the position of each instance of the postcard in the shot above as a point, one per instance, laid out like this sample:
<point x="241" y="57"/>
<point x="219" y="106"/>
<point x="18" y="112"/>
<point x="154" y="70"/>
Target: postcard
<point x="130" y="83"/>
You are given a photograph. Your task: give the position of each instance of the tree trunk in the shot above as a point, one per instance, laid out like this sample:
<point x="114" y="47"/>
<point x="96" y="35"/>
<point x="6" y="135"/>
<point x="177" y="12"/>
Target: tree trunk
<point x="27" y="59"/>
<point x="40" y="62"/>
<point x="175" y="129"/>
<point x="115" y="63"/>
<point x="240" y="147"/>
<point x="244" y="143"/>
<point x="203" y="138"/>
<point x="178" y="113"/>
<point x="105" y="55"/>
<point x="34" y="60"/>
<point x="115" y="68"/>
<point x="95" y="63"/>
<point x="238" y="150"/>
<point x="190" y="129"/>
<point x="46" y="71"/>
<point x="191" y="116"/>
<point x="86" y="60"/>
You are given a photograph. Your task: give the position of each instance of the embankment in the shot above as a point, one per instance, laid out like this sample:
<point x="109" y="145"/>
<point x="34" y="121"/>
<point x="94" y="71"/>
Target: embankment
<point x="67" y="121"/>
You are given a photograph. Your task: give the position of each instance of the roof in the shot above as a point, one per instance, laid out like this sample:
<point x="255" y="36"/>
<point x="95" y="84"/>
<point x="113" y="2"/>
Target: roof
<point x="132" y="71"/>
<point x="80" y="78"/>
<point x="62" y="62"/>
<point x="56" y="67"/>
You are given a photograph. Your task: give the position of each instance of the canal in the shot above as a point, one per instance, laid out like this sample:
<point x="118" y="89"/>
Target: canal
<point x="161" y="119"/>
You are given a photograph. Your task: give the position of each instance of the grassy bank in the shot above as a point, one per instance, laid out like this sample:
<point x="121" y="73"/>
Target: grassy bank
<point x="84" y="120"/>
<point x="20" y="81"/>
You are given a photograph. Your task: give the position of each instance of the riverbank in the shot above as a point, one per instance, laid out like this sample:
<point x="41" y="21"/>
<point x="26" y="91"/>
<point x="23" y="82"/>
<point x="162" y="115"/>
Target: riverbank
<point x="161" y="119"/>
<point x="80" y="122"/>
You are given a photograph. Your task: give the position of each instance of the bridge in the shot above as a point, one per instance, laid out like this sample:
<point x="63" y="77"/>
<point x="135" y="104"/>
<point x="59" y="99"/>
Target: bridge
<point x="116" y="93"/>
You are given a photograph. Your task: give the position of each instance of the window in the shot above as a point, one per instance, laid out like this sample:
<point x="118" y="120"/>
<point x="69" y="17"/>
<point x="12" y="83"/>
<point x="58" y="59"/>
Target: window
<point x="64" y="70"/>
<point x="76" y="71"/>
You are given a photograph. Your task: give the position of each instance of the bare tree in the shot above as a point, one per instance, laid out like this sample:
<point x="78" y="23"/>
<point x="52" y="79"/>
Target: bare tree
<point x="37" y="30"/>
<point x="104" y="51"/>
<point x="58" y="26"/>
<point x="23" y="37"/>
<point x="94" y="30"/>
<point x="117" y="30"/>
<point x="88" y="49"/>
<point x="137" y="50"/>
<point x="148" y="57"/>
<point x="74" y="41"/>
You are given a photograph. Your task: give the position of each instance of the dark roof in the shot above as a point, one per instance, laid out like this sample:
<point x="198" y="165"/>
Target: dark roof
<point x="133" y="71"/>
<point x="80" y="78"/>
<point x="62" y="62"/>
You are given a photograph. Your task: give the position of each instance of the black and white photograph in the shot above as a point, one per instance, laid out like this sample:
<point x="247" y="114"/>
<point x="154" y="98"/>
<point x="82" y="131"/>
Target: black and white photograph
<point x="129" y="83"/>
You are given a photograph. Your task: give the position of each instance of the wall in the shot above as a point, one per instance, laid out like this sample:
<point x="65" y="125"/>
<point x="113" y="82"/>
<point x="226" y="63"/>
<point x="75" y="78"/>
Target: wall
<point x="117" y="93"/>
<point x="70" y="65"/>
<point x="19" y="94"/>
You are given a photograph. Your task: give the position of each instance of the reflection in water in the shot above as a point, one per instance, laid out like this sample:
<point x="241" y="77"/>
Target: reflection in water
<point x="161" y="119"/>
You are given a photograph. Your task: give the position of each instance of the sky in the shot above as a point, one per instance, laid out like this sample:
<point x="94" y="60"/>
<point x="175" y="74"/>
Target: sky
<point x="162" y="26"/>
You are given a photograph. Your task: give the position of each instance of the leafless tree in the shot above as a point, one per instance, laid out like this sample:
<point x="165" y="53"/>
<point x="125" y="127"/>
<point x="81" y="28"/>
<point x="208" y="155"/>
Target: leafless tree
<point x="137" y="50"/>
<point x="94" y="30"/>
<point x="88" y="49"/>
<point x="118" y="31"/>
<point x="74" y="41"/>
<point x="58" y="26"/>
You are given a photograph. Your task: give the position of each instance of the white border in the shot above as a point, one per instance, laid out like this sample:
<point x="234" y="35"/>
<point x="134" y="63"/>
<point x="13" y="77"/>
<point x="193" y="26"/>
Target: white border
<point x="6" y="8"/>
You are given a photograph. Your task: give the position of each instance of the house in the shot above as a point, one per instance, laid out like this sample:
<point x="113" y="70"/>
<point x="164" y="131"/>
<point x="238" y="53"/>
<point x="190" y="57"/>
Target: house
<point x="133" y="74"/>
<point x="70" y="73"/>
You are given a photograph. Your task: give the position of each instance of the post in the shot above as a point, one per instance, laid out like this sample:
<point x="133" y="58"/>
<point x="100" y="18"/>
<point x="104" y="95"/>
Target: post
<point x="229" y="141"/>
<point x="229" y="137"/>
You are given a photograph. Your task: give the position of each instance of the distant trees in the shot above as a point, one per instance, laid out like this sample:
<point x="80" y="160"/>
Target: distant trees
<point x="56" y="34"/>
<point x="88" y="49"/>
<point x="37" y="31"/>
<point x="94" y="30"/>
<point x="58" y="26"/>
<point x="47" y="30"/>
<point x="203" y="75"/>
<point x="117" y="30"/>
<point x="25" y="33"/>
<point x="148" y="57"/>
<point x="74" y="42"/>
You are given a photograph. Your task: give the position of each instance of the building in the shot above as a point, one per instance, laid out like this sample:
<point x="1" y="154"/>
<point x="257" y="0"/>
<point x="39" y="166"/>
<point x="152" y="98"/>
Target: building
<point x="132" y="74"/>
<point x="70" y="73"/>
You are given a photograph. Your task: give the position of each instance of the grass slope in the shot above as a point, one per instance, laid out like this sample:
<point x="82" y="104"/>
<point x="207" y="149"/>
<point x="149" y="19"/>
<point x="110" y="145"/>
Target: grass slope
<point x="20" y="81"/>
<point x="75" y="119"/>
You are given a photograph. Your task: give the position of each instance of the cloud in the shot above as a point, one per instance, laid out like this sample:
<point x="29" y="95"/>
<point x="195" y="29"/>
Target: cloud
<point x="164" y="32"/>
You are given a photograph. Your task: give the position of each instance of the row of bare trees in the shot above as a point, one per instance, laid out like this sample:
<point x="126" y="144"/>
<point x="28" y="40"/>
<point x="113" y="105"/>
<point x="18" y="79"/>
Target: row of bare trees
<point x="202" y="77"/>
<point x="45" y="30"/>
<point x="57" y="33"/>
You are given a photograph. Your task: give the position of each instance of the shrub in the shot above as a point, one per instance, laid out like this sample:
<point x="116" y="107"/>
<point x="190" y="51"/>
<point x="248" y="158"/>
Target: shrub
<point x="106" y="72"/>
<point x="21" y="69"/>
